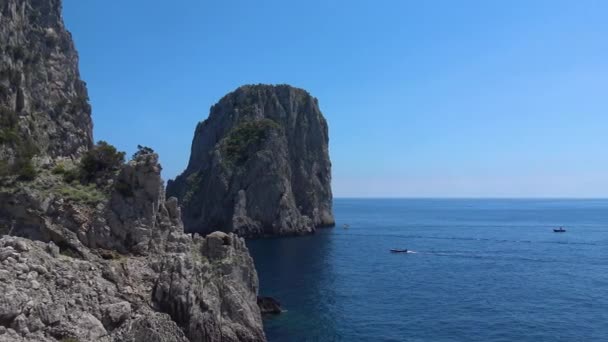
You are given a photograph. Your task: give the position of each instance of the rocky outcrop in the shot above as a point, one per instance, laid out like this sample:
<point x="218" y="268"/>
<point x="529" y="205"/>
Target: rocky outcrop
<point x="122" y="270"/>
<point x="269" y="305"/>
<point x="44" y="107"/>
<point x="259" y="166"/>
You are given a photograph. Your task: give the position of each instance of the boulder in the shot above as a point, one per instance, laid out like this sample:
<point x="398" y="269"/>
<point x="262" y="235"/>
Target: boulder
<point x="269" y="305"/>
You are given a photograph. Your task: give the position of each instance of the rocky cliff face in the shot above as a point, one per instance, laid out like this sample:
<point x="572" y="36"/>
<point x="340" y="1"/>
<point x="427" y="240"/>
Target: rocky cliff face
<point x="44" y="106"/>
<point x="259" y="166"/>
<point x="102" y="257"/>
<point x="120" y="270"/>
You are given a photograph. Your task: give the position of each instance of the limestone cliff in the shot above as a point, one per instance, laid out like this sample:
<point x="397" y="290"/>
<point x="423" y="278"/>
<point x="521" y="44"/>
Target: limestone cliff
<point x="119" y="268"/>
<point x="259" y="166"/>
<point x="90" y="248"/>
<point x="44" y="107"/>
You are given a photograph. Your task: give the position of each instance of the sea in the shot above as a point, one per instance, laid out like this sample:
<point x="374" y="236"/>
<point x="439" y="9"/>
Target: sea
<point x="477" y="270"/>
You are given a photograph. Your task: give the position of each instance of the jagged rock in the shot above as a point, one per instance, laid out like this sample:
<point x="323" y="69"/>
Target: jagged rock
<point x="209" y="300"/>
<point x="259" y="166"/>
<point x="89" y="328"/>
<point x="207" y="286"/>
<point x="269" y="305"/>
<point x="137" y="212"/>
<point x="43" y="103"/>
<point x="115" y="314"/>
<point x="155" y="327"/>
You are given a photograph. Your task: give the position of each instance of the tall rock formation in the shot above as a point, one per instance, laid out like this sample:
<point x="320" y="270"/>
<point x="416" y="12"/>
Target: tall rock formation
<point x="44" y="107"/>
<point x="259" y="166"/>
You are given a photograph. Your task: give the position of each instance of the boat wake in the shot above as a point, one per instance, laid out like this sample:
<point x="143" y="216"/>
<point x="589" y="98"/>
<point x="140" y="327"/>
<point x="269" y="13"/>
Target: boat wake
<point x="398" y="236"/>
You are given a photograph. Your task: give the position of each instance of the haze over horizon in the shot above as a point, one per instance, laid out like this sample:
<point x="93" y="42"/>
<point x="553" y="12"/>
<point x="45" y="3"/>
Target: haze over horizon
<point x="423" y="99"/>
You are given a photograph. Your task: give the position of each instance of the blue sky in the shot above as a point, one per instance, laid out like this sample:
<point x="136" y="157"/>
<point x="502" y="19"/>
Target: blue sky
<point x="423" y="98"/>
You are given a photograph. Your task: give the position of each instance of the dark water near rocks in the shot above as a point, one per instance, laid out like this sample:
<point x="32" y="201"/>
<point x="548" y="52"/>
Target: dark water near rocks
<point x="484" y="270"/>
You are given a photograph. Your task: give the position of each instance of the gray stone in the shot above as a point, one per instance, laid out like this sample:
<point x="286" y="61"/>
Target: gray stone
<point x="22" y="268"/>
<point x="39" y="269"/>
<point x="155" y="327"/>
<point x="21" y="246"/>
<point x="41" y="83"/>
<point x="19" y="324"/>
<point x="89" y="327"/>
<point x="207" y="287"/>
<point x="115" y="314"/>
<point x="50" y="314"/>
<point x="11" y="303"/>
<point x="34" y="324"/>
<point x="8" y="252"/>
<point x="53" y="249"/>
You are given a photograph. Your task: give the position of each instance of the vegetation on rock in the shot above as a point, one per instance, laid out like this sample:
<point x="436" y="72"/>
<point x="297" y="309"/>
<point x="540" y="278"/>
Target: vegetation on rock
<point x="141" y="150"/>
<point x="192" y="182"/>
<point x="26" y="171"/>
<point x="21" y="165"/>
<point x="259" y="165"/>
<point x="248" y="134"/>
<point x="88" y="194"/>
<point x="100" y="161"/>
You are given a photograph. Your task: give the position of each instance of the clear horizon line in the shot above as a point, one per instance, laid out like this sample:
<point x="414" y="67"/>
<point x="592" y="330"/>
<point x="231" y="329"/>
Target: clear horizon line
<point x="472" y="197"/>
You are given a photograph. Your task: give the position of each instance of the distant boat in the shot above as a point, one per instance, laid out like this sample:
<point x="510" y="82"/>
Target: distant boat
<point x="346" y="226"/>
<point x="398" y="250"/>
<point x="559" y="230"/>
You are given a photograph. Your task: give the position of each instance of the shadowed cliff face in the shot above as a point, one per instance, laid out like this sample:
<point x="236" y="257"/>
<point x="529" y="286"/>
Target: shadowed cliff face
<point x="44" y="107"/>
<point x="259" y="166"/>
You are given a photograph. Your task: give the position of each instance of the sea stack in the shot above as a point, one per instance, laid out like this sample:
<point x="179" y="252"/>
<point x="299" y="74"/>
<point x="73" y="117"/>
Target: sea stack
<point x="259" y="166"/>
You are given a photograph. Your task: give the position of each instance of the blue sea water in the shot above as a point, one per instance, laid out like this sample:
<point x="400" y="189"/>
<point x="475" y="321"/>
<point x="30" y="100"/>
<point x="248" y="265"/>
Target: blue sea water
<point x="483" y="270"/>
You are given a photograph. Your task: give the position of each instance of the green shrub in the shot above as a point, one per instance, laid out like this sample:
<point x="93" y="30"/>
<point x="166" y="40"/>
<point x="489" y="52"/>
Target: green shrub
<point x="79" y="193"/>
<point x="5" y="168"/>
<point x="26" y="171"/>
<point x="142" y="150"/>
<point x="192" y="183"/>
<point x="9" y="122"/>
<point x="71" y="175"/>
<point x="59" y="169"/>
<point x="8" y="118"/>
<point x="101" y="161"/>
<point x="8" y="136"/>
<point x="250" y="133"/>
